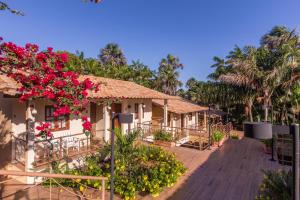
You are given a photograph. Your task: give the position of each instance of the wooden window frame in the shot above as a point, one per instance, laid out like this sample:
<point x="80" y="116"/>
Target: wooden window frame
<point x="56" y="121"/>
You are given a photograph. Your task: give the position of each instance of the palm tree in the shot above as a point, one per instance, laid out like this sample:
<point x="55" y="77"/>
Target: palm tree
<point x="141" y="74"/>
<point x="167" y="80"/>
<point x="220" y="68"/>
<point x="243" y="73"/>
<point x="112" y="55"/>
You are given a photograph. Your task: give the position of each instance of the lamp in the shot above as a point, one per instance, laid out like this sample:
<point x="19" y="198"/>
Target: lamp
<point x="124" y="118"/>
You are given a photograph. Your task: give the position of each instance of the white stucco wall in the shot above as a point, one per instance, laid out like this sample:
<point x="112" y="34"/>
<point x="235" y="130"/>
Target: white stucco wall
<point x="19" y="117"/>
<point x="128" y="106"/>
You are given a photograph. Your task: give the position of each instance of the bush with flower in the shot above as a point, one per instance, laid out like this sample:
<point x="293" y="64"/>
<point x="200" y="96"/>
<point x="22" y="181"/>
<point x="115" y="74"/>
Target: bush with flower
<point x="139" y="169"/>
<point x="42" y="74"/>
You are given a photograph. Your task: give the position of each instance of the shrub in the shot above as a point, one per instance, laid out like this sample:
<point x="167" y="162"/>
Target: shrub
<point x="276" y="185"/>
<point x="163" y="136"/>
<point x="140" y="168"/>
<point x="268" y="142"/>
<point x="235" y="137"/>
<point x="217" y="136"/>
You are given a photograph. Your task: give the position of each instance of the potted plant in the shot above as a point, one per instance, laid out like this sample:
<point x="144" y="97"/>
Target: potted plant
<point x="267" y="146"/>
<point x="217" y="138"/>
<point x="163" y="138"/>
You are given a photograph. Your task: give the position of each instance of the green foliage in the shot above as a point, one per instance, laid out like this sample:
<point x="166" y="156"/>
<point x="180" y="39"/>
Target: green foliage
<point x="4" y="6"/>
<point x="277" y="185"/>
<point x="217" y="136"/>
<point x="138" y="168"/>
<point x="167" y="80"/>
<point x="267" y="142"/>
<point x="163" y="136"/>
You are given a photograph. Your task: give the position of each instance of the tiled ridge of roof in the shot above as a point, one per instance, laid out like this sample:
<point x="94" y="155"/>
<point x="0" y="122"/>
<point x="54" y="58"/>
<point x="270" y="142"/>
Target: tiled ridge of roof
<point x="180" y="105"/>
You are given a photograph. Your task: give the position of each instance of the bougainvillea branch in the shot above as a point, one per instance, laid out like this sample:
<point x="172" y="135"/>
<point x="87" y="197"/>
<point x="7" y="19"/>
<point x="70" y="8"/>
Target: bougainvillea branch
<point x="42" y="74"/>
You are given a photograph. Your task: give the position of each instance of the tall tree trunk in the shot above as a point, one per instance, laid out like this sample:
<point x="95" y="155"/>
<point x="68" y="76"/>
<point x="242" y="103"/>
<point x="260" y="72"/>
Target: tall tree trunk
<point x="250" y="105"/>
<point x="266" y="104"/>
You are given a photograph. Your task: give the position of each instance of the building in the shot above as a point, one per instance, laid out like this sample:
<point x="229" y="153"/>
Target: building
<point x="19" y="120"/>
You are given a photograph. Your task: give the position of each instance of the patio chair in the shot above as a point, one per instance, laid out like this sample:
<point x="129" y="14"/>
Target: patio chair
<point x="70" y="142"/>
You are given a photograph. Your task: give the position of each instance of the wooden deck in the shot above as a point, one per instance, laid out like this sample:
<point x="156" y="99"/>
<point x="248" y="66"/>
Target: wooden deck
<point x="231" y="172"/>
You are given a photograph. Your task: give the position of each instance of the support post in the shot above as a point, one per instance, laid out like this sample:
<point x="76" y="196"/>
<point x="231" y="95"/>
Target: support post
<point x="209" y="128"/>
<point x="30" y="128"/>
<point x="205" y="121"/>
<point x="106" y="123"/>
<point x="165" y="113"/>
<point x="296" y="185"/>
<point x="140" y="113"/>
<point x="196" y="120"/>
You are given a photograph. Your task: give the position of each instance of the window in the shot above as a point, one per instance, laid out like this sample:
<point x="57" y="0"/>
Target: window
<point x="56" y="123"/>
<point x="190" y="116"/>
<point x="136" y="110"/>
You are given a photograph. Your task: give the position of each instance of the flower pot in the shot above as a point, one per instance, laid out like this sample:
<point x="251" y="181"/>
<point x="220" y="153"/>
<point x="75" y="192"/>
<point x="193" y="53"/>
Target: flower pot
<point x="164" y="143"/>
<point x="220" y="143"/>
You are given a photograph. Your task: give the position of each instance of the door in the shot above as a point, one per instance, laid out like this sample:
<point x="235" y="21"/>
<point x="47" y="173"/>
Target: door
<point x="97" y="120"/>
<point x="116" y="108"/>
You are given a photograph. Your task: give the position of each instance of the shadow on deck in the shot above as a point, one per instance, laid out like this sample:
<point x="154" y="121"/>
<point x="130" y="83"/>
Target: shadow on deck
<point x="230" y="172"/>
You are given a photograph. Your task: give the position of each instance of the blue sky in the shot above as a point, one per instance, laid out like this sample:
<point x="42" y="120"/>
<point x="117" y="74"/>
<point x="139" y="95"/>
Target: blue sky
<point x="193" y="30"/>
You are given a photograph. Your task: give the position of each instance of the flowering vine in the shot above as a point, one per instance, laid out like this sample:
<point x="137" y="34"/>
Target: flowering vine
<point x="42" y="74"/>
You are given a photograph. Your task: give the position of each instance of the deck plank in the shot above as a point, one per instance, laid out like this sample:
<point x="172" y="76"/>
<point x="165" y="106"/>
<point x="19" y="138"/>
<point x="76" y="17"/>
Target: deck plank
<point x="230" y="172"/>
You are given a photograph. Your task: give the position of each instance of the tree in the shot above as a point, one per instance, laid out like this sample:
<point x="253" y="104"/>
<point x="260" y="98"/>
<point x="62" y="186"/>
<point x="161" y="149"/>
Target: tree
<point x="112" y="55"/>
<point x="4" y="6"/>
<point x="141" y="73"/>
<point x="220" y="68"/>
<point x="167" y="80"/>
<point x="266" y="68"/>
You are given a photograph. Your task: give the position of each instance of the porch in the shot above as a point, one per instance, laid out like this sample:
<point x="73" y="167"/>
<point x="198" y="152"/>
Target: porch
<point x="67" y="147"/>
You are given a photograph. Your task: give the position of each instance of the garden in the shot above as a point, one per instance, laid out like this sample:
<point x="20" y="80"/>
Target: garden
<point x="139" y="169"/>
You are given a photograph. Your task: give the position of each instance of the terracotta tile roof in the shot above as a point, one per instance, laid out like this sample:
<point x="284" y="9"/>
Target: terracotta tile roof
<point x="8" y="85"/>
<point x="109" y="88"/>
<point x="180" y="106"/>
<point x="112" y="88"/>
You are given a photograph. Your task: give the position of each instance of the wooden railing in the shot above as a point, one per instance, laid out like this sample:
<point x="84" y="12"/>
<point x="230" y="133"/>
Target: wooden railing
<point x="19" y="147"/>
<point x="52" y="179"/>
<point x="57" y="148"/>
<point x="178" y="133"/>
<point x="223" y="128"/>
<point x="195" y="136"/>
<point x="61" y="147"/>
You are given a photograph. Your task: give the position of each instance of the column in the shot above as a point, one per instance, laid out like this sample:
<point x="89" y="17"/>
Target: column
<point x="125" y="127"/>
<point x="166" y="113"/>
<point x="173" y="123"/>
<point x="204" y="121"/>
<point x="184" y="121"/>
<point x="140" y="113"/>
<point x="196" y="120"/>
<point x="30" y="128"/>
<point x="106" y="119"/>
